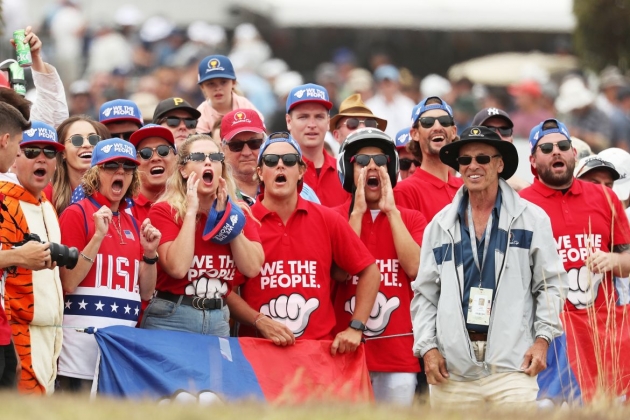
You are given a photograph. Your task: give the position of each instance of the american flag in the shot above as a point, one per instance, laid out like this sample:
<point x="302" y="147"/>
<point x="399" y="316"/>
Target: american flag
<point x="129" y="234"/>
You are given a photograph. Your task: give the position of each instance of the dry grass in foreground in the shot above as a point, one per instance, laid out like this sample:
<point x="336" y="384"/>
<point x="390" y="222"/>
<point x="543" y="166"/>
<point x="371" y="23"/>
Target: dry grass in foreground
<point x="61" y="407"/>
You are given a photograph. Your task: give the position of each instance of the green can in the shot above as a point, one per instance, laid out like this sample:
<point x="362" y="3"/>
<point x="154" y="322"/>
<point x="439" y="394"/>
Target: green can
<point x="22" y="50"/>
<point x="18" y="82"/>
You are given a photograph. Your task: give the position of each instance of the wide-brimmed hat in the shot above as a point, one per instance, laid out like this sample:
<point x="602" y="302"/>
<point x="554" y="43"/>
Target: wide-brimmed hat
<point x="450" y="152"/>
<point x="353" y="106"/>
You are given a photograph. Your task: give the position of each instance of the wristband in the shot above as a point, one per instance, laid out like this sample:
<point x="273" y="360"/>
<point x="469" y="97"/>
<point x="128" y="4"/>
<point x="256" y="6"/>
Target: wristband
<point x="150" y="261"/>
<point x="222" y="229"/>
<point x="85" y="257"/>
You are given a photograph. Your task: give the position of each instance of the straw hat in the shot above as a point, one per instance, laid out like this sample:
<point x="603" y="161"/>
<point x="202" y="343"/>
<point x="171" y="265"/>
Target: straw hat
<point x="353" y="106"/>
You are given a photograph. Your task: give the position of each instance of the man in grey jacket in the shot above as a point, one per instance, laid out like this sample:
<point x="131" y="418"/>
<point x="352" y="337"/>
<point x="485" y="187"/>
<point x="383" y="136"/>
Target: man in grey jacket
<point x="491" y="284"/>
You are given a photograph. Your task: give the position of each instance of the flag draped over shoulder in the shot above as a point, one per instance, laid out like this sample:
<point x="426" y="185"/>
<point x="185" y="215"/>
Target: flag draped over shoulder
<point x="156" y="364"/>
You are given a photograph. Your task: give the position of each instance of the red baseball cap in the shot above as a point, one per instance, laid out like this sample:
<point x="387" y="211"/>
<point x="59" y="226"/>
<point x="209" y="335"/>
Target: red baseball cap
<point x="240" y="121"/>
<point x="530" y="87"/>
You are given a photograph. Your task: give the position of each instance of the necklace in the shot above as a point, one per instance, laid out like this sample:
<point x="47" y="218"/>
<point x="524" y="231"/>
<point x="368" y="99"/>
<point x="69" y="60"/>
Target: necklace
<point x="116" y="223"/>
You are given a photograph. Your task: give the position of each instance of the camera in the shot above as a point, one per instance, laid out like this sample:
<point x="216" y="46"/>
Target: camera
<point x="62" y="255"/>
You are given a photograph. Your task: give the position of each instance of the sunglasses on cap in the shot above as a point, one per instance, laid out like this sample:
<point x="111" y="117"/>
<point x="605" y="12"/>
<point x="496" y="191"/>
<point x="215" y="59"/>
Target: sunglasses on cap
<point x="115" y="166"/>
<point x="353" y="123"/>
<point x="162" y="150"/>
<point x="405" y="163"/>
<point x="289" y="159"/>
<point x="502" y="131"/>
<point x="480" y="159"/>
<point x="597" y="162"/>
<point x="364" y="160"/>
<point x="32" y="152"/>
<point x="237" y="146"/>
<point x="427" y="122"/>
<point x="78" y="140"/>
<point x="547" y="148"/>
<point x="174" y="122"/>
<point x="201" y="157"/>
<point x="126" y="135"/>
<point x="279" y="135"/>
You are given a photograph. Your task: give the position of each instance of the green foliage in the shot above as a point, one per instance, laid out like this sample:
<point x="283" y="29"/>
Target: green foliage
<point x="602" y="34"/>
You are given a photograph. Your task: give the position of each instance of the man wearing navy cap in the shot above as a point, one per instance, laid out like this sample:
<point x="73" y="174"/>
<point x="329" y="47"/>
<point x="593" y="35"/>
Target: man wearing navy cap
<point x="308" y="119"/>
<point x="121" y="116"/>
<point x="178" y="116"/>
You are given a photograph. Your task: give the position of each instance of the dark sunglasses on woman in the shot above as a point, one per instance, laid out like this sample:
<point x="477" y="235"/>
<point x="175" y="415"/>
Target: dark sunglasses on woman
<point x="364" y="160"/>
<point x="162" y="150"/>
<point x="114" y="166"/>
<point x="78" y="140"/>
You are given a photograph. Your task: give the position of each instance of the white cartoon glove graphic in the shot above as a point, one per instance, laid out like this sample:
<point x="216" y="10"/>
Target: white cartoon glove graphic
<point x="184" y="397"/>
<point x="205" y="287"/>
<point x="293" y="311"/>
<point x="379" y="317"/>
<point x="583" y="287"/>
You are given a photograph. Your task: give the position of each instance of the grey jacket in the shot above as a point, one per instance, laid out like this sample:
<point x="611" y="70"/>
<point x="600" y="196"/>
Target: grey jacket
<point x="531" y="286"/>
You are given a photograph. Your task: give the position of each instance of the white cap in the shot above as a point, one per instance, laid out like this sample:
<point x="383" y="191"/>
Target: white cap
<point x="573" y="95"/>
<point x="156" y="28"/>
<point x="272" y="68"/>
<point x="200" y="31"/>
<point x="245" y="32"/>
<point x="621" y="159"/>
<point x="434" y="85"/>
<point x="128" y="15"/>
<point x="285" y="82"/>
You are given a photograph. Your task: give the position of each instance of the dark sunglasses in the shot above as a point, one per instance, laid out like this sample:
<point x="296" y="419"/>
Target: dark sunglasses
<point x="115" y="166"/>
<point x="237" y="146"/>
<point x="480" y="159"/>
<point x="502" y="131"/>
<point x="427" y="122"/>
<point x="78" y="140"/>
<point x="175" y="121"/>
<point x="364" y="160"/>
<point x="201" y="157"/>
<point x="162" y="150"/>
<point x="289" y="159"/>
<point x="405" y="163"/>
<point x="33" y="152"/>
<point x="353" y="123"/>
<point x="125" y="135"/>
<point x="547" y="148"/>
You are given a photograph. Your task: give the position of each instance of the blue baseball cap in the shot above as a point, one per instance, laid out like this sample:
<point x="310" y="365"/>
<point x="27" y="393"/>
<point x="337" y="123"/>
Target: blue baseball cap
<point x="215" y="66"/>
<point x="538" y="133"/>
<point x="387" y="72"/>
<point x="422" y="107"/>
<point x="309" y="92"/>
<point x="113" y="149"/>
<point x="402" y="137"/>
<point x="120" y="110"/>
<point x="278" y="137"/>
<point x="41" y="133"/>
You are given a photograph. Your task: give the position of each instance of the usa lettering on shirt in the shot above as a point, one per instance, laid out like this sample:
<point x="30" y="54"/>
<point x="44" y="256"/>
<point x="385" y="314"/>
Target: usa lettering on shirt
<point x="116" y="273"/>
<point x="277" y="274"/>
<point x="204" y="265"/>
<point x="389" y="272"/>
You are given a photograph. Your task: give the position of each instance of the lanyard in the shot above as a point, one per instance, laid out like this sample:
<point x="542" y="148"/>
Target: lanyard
<point x="473" y="240"/>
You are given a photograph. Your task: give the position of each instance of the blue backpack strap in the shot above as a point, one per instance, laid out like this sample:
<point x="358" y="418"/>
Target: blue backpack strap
<point x="85" y="223"/>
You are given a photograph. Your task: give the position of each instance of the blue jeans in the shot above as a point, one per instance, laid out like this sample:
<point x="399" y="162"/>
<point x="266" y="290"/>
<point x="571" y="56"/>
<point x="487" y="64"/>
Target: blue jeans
<point x="166" y="315"/>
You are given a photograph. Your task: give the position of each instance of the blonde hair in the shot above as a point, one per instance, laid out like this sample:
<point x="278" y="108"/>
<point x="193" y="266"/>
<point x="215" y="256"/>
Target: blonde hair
<point x="175" y="191"/>
<point x="91" y="182"/>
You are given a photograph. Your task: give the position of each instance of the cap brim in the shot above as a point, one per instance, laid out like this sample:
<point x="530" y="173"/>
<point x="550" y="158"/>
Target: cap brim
<point x="216" y="76"/>
<point x="118" y="119"/>
<point x="145" y="133"/>
<point x="382" y="124"/>
<point x="450" y="153"/>
<point x="482" y="122"/>
<point x="327" y="104"/>
<point x="229" y="136"/>
<point x="583" y="170"/>
<point x="58" y="146"/>
<point x="622" y="189"/>
<point x="193" y="112"/>
<point x="117" y="158"/>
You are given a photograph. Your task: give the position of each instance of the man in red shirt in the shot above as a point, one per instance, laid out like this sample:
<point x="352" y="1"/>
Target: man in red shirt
<point x="368" y="166"/>
<point x="593" y="241"/>
<point x="302" y="240"/>
<point x="432" y="186"/>
<point x="308" y="119"/>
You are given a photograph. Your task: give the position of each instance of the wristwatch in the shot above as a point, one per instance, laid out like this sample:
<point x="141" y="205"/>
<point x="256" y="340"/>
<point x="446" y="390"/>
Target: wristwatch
<point x="355" y="324"/>
<point x="150" y="260"/>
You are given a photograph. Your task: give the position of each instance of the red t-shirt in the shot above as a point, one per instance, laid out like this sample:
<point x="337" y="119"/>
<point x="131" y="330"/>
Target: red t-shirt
<point x="327" y="185"/>
<point x="212" y="268"/>
<point x="140" y="208"/>
<point x="426" y="193"/>
<point x="588" y="217"/>
<point x="391" y="314"/>
<point x="294" y="285"/>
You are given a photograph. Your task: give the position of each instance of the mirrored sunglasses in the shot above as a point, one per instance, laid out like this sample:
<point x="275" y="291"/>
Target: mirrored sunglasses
<point x="480" y="159"/>
<point x="201" y="157"/>
<point x="32" y="152"/>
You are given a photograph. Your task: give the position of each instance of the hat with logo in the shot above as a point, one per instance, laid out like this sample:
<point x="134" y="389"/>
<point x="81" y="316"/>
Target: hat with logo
<point x="215" y="66"/>
<point x="450" y="152"/>
<point x="487" y="113"/>
<point x="240" y="121"/>
<point x="589" y="163"/>
<point x="172" y="104"/>
<point x="120" y="110"/>
<point x="402" y="138"/>
<point x="41" y="133"/>
<point x="353" y="106"/>
<point x="152" y="130"/>
<point x="422" y="107"/>
<point x="621" y="159"/>
<point x="538" y="133"/>
<point x="113" y="149"/>
<point x="309" y="92"/>
<point x="386" y="72"/>
<point x="278" y="137"/>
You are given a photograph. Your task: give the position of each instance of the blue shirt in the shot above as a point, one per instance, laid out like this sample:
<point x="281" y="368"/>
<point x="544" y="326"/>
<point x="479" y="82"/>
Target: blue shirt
<point x="471" y="273"/>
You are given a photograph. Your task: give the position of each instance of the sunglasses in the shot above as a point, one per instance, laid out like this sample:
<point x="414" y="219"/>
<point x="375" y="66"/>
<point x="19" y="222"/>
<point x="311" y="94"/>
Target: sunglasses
<point x="547" y="148"/>
<point x="480" y="159"/>
<point x="279" y="135"/>
<point x="289" y="159"/>
<point x="201" y="157"/>
<point x="364" y="160"/>
<point x="78" y="140"/>
<point x="162" y="150"/>
<point x="115" y="166"/>
<point x="33" y="152"/>
<point x="405" y="163"/>
<point x="174" y="122"/>
<point x="353" y="123"/>
<point x="597" y="162"/>
<point x="502" y="131"/>
<point x="427" y="122"/>
<point x="237" y="146"/>
<point x="124" y="135"/>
